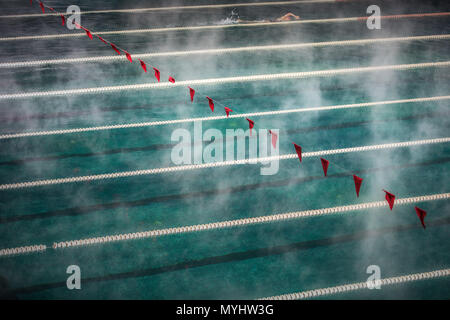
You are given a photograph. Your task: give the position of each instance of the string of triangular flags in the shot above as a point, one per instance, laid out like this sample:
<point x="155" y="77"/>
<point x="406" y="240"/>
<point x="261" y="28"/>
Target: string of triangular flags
<point x="390" y="198"/>
<point x="119" y="50"/>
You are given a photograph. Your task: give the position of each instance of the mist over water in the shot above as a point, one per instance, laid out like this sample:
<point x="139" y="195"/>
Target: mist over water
<point x="241" y="262"/>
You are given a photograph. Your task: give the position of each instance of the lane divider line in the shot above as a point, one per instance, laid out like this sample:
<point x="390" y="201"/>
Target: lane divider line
<point x="123" y="174"/>
<point x="222" y="224"/>
<point x="360" y="285"/>
<point x="244" y="222"/>
<point x="22" y="250"/>
<point x="222" y="26"/>
<point x="241" y="115"/>
<point x="207" y="6"/>
<point x="114" y="58"/>
<point x="215" y="81"/>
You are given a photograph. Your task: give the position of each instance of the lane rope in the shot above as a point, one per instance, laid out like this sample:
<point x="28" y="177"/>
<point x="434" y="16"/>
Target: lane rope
<point x="222" y="50"/>
<point x="244" y="222"/>
<point x="221" y="26"/>
<point x="222" y="224"/>
<point x="123" y="174"/>
<point x="241" y="115"/>
<point x="360" y="285"/>
<point x="208" y="6"/>
<point x="22" y="250"/>
<point x="215" y="81"/>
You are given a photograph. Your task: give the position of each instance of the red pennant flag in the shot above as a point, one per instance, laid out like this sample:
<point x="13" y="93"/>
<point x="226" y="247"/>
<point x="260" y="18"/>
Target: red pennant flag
<point x="228" y="110"/>
<point x="171" y="80"/>
<point x="211" y="103"/>
<point x="63" y="20"/>
<point x="251" y="124"/>
<point x="358" y="182"/>
<point x="52" y="9"/>
<point x="115" y="48"/>
<point x="157" y="74"/>
<point x="421" y="214"/>
<point x="143" y="65"/>
<point x="42" y="6"/>
<point x="325" y="164"/>
<point x="88" y="33"/>
<point x="129" y="57"/>
<point x="103" y="40"/>
<point x="77" y="25"/>
<point x="192" y="93"/>
<point x="298" y="149"/>
<point x="390" y="198"/>
<point x="274" y="138"/>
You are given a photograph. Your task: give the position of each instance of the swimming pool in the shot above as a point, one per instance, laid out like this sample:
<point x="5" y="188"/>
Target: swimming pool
<point x="245" y="259"/>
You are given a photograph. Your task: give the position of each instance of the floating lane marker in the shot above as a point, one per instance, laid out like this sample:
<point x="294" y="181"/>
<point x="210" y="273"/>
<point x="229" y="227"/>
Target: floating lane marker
<point x="216" y="81"/>
<point x="244" y="222"/>
<point x="360" y="285"/>
<point x="223" y="26"/>
<point x="114" y="58"/>
<point x="222" y="224"/>
<point x="22" y="250"/>
<point x="177" y="8"/>
<point x="123" y="174"/>
<point x="240" y="115"/>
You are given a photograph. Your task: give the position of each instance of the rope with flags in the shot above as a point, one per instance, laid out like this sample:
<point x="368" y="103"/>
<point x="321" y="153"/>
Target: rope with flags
<point x="389" y="197"/>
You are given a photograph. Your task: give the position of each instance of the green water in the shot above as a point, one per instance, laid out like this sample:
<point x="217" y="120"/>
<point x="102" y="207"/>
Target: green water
<point x="245" y="262"/>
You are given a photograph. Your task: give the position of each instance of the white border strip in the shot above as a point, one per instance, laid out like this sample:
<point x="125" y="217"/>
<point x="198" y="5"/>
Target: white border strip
<point x="114" y="58"/>
<point x="221" y="26"/>
<point x="123" y="174"/>
<point x="209" y="6"/>
<point x="241" y="115"/>
<point x="215" y="81"/>
<point x="360" y="285"/>
<point x="245" y="221"/>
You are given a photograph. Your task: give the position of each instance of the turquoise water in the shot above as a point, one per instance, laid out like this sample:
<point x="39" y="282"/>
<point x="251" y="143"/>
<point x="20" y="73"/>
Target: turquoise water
<point x="245" y="262"/>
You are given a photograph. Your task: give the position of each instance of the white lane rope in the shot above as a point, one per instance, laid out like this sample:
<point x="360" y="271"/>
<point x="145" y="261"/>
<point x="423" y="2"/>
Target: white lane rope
<point x="245" y="221"/>
<point x="177" y="8"/>
<point x="216" y="81"/>
<point x="215" y="27"/>
<point x="123" y="174"/>
<point x="222" y="224"/>
<point x="241" y="115"/>
<point x="22" y="250"/>
<point x="360" y="285"/>
<point x="222" y="50"/>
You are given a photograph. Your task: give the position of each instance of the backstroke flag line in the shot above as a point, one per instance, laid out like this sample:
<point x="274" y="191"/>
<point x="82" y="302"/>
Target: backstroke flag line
<point x="251" y="124"/>
<point x="421" y="214"/>
<point x="325" y="164"/>
<point x="211" y="103"/>
<point x="358" y="182"/>
<point x="390" y="198"/>
<point x="298" y="149"/>
<point x="192" y="93"/>
<point x="228" y="110"/>
<point x="143" y="65"/>
<point x="274" y="138"/>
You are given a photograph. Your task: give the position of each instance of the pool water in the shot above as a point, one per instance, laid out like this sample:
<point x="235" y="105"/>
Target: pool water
<point x="244" y="262"/>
